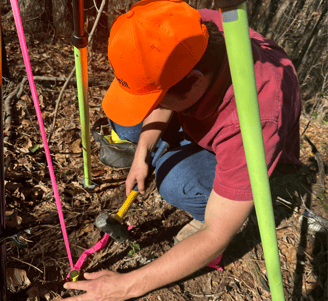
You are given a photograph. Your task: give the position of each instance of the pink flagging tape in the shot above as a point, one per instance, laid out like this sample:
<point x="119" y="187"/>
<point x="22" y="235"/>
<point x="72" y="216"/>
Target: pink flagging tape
<point x="22" y="41"/>
<point x="99" y="245"/>
<point x="214" y="264"/>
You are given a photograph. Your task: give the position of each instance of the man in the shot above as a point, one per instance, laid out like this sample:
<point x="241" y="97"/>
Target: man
<point x="172" y="70"/>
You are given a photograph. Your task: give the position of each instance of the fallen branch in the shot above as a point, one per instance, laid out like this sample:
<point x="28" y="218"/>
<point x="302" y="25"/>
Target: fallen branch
<point x="57" y="104"/>
<point x="8" y="117"/>
<point x="26" y="263"/>
<point x="8" y="108"/>
<point x="71" y="80"/>
<point x="321" y="165"/>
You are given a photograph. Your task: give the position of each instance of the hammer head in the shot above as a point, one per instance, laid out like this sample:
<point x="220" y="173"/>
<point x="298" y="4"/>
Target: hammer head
<point x="112" y="227"/>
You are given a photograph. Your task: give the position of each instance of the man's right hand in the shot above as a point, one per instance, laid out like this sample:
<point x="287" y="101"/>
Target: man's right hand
<point x="138" y="173"/>
<point x="149" y="137"/>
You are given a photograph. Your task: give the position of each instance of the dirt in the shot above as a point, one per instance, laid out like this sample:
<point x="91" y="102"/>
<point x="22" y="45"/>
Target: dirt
<point x="40" y="269"/>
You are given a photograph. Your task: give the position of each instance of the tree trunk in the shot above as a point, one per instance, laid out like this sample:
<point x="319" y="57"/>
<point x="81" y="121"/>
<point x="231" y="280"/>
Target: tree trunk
<point x="62" y="17"/>
<point x="32" y="13"/>
<point x="46" y="15"/>
<point x="300" y="27"/>
<point x="4" y="62"/>
<point x="117" y="8"/>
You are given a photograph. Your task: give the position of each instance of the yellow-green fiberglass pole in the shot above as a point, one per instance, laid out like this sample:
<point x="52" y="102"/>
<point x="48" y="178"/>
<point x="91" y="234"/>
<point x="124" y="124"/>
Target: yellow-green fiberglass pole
<point x="235" y="25"/>
<point x="82" y="90"/>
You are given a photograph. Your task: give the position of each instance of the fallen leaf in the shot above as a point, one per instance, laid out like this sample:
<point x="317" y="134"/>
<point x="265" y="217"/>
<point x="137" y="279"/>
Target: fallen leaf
<point x="76" y="147"/>
<point x="16" y="279"/>
<point x="33" y="294"/>
<point x="97" y="173"/>
<point x="248" y="279"/>
<point x="88" y="227"/>
<point x="25" y="123"/>
<point x="60" y="158"/>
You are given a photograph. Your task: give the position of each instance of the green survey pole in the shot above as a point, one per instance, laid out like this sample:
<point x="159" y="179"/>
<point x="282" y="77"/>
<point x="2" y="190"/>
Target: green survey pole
<point x="80" y="42"/>
<point x="235" y="25"/>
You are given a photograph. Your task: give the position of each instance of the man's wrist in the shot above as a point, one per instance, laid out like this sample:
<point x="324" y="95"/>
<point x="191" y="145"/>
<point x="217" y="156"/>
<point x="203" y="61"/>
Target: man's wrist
<point x="135" y="285"/>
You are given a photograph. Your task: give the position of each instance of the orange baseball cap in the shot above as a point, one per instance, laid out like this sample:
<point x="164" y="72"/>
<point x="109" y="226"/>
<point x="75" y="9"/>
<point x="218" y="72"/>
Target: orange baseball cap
<point x="151" y="48"/>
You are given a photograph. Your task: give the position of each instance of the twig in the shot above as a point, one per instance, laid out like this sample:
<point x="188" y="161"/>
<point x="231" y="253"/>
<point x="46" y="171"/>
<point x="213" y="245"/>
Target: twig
<point x="6" y="164"/>
<point x="97" y="20"/>
<point x="256" y="272"/>
<point x="57" y="104"/>
<point x="72" y="72"/>
<point x="8" y="117"/>
<point x="27" y="264"/>
<point x="321" y="166"/>
<point x="8" y="108"/>
<point x="306" y="127"/>
<point x="283" y="202"/>
<point x="95" y="5"/>
<point x="202" y="296"/>
<point x="62" y="79"/>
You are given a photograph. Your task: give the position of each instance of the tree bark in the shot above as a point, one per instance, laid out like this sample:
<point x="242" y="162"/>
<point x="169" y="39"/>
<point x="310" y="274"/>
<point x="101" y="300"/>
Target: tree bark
<point x="4" y="63"/>
<point x="300" y="27"/>
<point x="62" y="17"/>
<point x="45" y="15"/>
<point x="32" y="13"/>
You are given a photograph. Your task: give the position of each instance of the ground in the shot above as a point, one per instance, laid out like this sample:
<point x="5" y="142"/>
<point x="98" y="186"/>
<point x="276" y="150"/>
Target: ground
<point x="38" y="271"/>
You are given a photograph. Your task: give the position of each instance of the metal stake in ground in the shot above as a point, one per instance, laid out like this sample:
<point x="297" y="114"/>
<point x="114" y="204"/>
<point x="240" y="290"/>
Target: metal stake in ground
<point x="2" y="194"/>
<point x="235" y="25"/>
<point x="80" y="42"/>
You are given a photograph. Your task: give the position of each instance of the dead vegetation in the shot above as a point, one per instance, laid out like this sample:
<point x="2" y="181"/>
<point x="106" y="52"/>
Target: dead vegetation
<point x="38" y="272"/>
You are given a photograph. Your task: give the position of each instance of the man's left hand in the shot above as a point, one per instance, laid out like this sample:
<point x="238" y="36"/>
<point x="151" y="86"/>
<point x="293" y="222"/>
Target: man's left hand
<point x="101" y="286"/>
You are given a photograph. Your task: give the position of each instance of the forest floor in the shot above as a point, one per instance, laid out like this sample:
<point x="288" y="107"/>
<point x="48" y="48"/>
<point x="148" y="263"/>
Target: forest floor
<point x="38" y="271"/>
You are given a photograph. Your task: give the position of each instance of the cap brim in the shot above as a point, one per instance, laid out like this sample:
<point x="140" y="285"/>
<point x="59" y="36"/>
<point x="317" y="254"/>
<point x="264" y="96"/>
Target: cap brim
<point x="129" y="109"/>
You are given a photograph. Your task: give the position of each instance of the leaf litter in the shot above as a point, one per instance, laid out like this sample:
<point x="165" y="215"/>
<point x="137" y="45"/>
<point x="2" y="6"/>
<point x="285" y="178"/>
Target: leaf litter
<point x="38" y="272"/>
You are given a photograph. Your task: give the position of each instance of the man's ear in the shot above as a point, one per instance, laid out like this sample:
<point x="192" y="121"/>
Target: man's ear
<point x="195" y="77"/>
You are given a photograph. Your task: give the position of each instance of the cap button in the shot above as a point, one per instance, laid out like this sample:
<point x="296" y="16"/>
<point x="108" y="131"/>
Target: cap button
<point x="129" y="14"/>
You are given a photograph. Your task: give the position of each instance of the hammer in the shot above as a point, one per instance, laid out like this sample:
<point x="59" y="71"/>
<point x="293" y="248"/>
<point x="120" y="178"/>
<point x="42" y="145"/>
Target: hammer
<point x="113" y="225"/>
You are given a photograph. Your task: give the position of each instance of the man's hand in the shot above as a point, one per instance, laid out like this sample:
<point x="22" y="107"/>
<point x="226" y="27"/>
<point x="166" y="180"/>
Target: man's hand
<point x="138" y="172"/>
<point x="101" y="286"/>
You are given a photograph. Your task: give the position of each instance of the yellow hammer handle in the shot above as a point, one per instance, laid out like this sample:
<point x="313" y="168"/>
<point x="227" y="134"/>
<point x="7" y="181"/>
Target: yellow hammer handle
<point x="133" y="194"/>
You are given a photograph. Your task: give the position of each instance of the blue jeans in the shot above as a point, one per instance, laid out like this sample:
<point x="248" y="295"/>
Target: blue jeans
<point x="185" y="174"/>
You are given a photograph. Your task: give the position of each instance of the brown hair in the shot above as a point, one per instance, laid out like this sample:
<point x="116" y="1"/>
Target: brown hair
<point x="210" y="61"/>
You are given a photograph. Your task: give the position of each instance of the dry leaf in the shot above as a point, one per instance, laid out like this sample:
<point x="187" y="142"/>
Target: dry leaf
<point x="44" y="188"/>
<point x="88" y="227"/>
<point x="248" y="279"/>
<point x="26" y="98"/>
<point x="97" y="173"/>
<point x="13" y="221"/>
<point x="16" y="279"/>
<point x="25" y="123"/>
<point x="289" y="252"/>
<point x="76" y="147"/>
<point x="60" y="158"/>
<point x="28" y="143"/>
<point x="70" y="126"/>
<point x="33" y="294"/>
